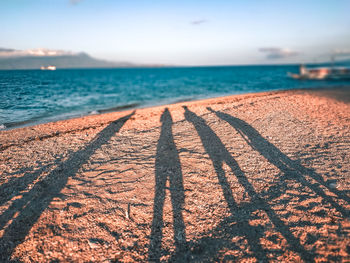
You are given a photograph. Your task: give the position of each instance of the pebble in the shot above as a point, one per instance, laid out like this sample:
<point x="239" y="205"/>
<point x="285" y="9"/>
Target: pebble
<point x="333" y="185"/>
<point x="93" y="244"/>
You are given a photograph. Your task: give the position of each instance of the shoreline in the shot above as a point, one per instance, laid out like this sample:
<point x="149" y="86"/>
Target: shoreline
<point x="138" y="106"/>
<point x="50" y="129"/>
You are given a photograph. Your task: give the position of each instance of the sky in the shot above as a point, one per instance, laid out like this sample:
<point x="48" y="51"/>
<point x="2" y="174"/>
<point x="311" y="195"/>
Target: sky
<point x="181" y="32"/>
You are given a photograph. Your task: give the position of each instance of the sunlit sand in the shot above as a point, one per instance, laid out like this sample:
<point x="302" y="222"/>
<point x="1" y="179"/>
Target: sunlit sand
<point x="251" y="178"/>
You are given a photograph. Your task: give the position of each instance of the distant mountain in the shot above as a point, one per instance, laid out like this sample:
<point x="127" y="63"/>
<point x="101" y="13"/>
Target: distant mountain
<point x="345" y="62"/>
<point x="336" y="63"/>
<point x="34" y="59"/>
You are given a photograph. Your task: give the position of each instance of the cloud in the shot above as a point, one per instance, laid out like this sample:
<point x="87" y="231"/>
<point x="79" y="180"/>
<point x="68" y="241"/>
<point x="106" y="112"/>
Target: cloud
<point x="6" y="49"/>
<point x="342" y="52"/>
<point x="278" y="53"/>
<point x="7" y="52"/>
<point x="198" y="22"/>
<point x="74" y="2"/>
<point x="39" y="52"/>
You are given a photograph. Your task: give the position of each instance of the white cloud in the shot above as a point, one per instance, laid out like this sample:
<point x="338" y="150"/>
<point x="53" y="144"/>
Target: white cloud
<point x="39" y="52"/>
<point x="342" y="52"/>
<point x="199" y="22"/>
<point x="74" y="2"/>
<point x="278" y="53"/>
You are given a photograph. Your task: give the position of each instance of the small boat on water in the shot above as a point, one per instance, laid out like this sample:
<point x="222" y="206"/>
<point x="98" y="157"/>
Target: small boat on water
<point x="322" y="73"/>
<point x="48" y="68"/>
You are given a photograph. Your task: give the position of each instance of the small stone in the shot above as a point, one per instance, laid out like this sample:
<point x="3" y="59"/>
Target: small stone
<point x="93" y="244"/>
<point x="333" y="185"/>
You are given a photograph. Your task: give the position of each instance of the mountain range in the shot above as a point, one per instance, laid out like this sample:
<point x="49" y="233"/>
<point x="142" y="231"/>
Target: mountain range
<point x="37" y="58"/>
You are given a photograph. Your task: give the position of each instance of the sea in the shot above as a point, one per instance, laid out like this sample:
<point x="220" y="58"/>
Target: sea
<point x="29" y="97"/>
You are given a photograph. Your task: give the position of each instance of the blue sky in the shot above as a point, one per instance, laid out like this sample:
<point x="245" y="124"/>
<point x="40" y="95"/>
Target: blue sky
<point x="190" y="32"/>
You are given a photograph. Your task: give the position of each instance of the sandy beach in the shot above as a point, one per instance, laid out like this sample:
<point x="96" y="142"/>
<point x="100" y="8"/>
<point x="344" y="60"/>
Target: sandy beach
<point x="247" y="178"/>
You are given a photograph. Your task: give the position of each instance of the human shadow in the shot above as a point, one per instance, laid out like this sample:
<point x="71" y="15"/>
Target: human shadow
<point x="167" y="167"/>
<point x="220" y="155"/>
<point x="24" y="212"/>
<point x="292" y="169"/>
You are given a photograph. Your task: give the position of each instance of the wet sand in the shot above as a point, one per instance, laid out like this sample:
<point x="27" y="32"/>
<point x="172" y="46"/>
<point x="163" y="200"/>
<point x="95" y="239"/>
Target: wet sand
<point x="249" y="178"/>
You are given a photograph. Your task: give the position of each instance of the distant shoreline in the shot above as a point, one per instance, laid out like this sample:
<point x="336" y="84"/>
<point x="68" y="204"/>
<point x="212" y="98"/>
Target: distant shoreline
<point x="126" y="65"/>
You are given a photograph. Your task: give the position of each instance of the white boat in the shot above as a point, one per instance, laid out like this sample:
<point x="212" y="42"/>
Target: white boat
<point x="322" y="73"/>
<point x="48" y="68"/>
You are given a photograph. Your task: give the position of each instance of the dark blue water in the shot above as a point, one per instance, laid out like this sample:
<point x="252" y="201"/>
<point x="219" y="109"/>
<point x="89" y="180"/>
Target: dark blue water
<point x="33" y="96"/>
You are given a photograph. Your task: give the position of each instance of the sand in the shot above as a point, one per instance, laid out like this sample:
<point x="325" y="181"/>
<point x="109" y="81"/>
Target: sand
<point x="249" y="178"/>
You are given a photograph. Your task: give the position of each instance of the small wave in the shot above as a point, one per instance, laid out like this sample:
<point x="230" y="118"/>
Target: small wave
<point x="184" y="99"/>
<point x="2" y="127"/>
<point x="94" y="112"/>
<point x="18" y="124"/>
<point x="119" y="108"/>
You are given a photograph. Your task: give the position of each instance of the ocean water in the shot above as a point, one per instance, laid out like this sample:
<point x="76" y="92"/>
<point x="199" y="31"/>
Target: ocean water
<point x="30" y="97"/>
